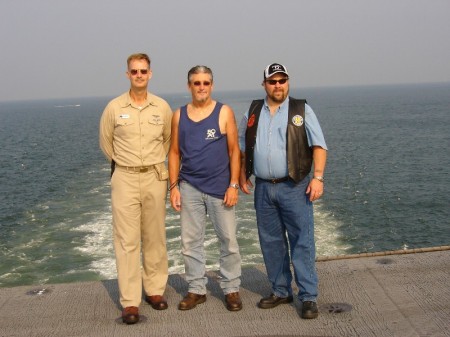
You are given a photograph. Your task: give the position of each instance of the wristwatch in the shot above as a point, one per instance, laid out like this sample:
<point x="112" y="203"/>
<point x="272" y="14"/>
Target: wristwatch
<point x="319" y="178"/>
<point x="236" y="186"/>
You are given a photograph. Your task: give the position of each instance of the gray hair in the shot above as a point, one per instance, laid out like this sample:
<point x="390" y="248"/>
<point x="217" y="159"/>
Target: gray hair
<point x="200" y="70"/>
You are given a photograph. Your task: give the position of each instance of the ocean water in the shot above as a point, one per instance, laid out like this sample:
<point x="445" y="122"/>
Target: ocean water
<point x="387" y="181"/>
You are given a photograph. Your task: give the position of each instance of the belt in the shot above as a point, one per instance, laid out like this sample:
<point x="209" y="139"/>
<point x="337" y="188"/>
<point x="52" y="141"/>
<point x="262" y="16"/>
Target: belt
<point x="135" y="169"/>
<point x="276" y="180"/>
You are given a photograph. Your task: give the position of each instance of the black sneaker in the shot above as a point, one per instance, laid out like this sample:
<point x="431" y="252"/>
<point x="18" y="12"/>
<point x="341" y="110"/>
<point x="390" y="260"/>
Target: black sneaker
<point x="272" y="301"/>
<point x="309" y="310"/>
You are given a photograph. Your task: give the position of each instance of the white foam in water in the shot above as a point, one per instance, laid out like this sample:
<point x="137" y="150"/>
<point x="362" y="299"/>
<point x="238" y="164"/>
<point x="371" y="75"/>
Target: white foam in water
<point x="99" y="245"/>
<point x="327" y="234"/>
<point x="177" y="266"/>
<point x="99" y="242"/>
<point x="10" y="276"/>
<point x="174" y="240"/>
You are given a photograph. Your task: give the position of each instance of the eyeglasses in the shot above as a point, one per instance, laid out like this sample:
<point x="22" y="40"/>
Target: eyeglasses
<point x="281" y="81"/>
<point x="199" y="83"/>
<point x="135" y="71"/>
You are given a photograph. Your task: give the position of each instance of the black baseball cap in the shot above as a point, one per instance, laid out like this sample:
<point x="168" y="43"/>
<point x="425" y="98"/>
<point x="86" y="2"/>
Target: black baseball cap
<point x="274" y="68"/>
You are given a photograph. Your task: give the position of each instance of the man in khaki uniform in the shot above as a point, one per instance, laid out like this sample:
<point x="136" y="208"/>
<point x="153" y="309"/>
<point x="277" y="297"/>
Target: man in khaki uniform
<point x="135" y="138"/>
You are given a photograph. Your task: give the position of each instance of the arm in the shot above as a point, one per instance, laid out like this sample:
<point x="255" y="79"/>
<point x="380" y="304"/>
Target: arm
<point x="167" y="130"/>
<point x="244" y="183"/>
<point x="227" y="118"/>
<point x="174" y="163"/>
<point x="106" y="131"/>
<point x="315" y="187"/>
<point x="319" y="149"/>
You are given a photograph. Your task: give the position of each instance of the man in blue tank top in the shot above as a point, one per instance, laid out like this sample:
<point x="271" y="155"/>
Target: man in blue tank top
<point x="204" y="166"/>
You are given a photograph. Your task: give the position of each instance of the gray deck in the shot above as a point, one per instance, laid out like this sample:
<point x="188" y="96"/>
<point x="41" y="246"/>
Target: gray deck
<point x="383" y="295"/>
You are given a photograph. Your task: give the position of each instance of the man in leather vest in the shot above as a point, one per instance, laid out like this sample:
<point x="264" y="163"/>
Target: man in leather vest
<point x="280" y="140"/>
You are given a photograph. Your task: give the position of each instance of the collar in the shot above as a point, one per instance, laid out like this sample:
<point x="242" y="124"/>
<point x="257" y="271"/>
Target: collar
<point x="281" y="106"/>
<point x="126" y="100"/>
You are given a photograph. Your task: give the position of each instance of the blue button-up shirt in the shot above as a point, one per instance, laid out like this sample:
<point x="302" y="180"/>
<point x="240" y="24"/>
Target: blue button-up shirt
<point x="270" y="158"/>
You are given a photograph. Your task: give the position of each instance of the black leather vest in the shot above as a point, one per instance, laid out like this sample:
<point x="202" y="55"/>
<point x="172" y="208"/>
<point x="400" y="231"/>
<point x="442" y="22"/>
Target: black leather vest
<point x="299" y="154"/>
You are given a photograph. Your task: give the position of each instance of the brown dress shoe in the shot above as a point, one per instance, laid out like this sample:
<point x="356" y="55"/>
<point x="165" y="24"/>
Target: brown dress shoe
<point x="157" y="302"/>
<point x="272" y="301"/>
<point x="233" y="301"/>
<point x="130" y="315"/>
<point x="190" y="301"/>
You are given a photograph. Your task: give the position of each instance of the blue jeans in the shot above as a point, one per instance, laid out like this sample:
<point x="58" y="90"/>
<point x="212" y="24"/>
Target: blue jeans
<point x="195" y="206"/>
<point x="285" y="222"/>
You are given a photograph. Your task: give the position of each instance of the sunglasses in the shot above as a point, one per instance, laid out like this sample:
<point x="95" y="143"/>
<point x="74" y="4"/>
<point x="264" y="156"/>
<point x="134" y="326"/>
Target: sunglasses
<point x="135" y="71"/>
<point x="199" y="83"/>
<point x="281" y="81"/>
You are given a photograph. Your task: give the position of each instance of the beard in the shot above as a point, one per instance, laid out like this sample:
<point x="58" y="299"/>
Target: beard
<point x="278" y="96"/>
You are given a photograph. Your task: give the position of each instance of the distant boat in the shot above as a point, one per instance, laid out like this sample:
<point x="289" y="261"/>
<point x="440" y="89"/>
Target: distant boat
<point x="68" y="106"/>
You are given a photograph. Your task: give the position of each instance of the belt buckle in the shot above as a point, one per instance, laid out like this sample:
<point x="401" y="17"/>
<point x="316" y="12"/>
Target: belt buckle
<point x="279" y="180"/>
<point x="143" y="169"/>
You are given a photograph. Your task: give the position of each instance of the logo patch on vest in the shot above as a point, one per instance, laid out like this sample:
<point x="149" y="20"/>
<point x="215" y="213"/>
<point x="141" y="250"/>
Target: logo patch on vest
<point x="251" y="121"/>
<point x="211" y="134"/>
<point x="297" y="120"/>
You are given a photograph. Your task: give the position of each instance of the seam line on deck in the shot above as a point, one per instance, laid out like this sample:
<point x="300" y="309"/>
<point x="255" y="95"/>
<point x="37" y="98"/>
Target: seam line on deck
<point x="385" y="253"/>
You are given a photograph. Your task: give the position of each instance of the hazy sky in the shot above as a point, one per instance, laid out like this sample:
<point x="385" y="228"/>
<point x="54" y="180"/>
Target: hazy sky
<point x="68" y="48"/>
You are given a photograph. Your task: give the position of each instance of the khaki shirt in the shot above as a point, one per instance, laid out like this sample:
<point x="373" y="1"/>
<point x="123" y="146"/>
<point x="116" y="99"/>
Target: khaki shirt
<point x="136" y="136"/>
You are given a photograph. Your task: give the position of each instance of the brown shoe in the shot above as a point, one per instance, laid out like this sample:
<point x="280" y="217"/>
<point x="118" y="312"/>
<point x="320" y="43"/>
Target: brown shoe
<point x="233" y="301"/>
<point x="157" y="302"/>
<point x="130" y="315"/>
<point x="190" y="301"/>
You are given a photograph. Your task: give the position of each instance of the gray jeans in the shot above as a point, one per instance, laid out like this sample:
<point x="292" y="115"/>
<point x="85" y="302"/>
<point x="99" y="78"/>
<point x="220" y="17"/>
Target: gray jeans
<point x="195" y="207"/>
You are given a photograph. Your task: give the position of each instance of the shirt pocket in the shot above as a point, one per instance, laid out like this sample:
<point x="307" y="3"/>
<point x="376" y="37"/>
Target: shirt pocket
<point x="155" y="128"/>
<point x="120" y="122"/>
<point x="125" y="128"/>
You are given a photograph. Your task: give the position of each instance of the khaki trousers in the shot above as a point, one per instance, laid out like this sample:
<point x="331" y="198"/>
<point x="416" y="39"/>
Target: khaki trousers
<point x="139" y="210"/>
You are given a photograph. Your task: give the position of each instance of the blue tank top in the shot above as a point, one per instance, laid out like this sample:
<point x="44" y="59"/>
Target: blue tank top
<point x="204" y="153"/>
